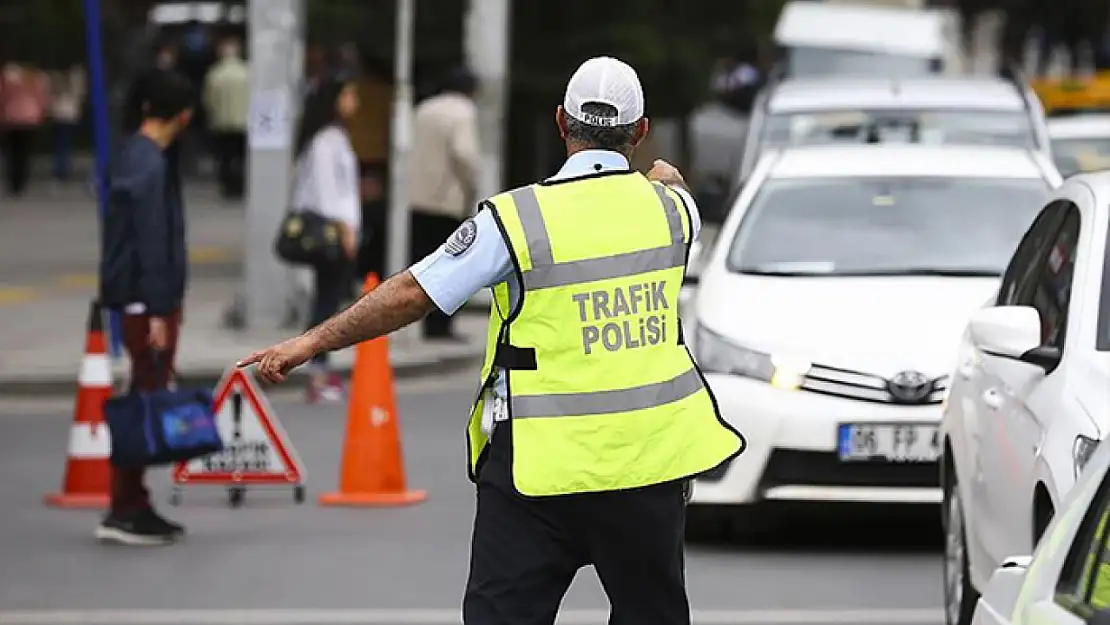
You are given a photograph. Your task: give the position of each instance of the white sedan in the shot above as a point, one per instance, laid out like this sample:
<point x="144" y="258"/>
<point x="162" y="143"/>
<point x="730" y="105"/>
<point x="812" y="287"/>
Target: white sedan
<point x="1067" y="580"/>
<point x="1080" y="143"/>
<point x="828" y="309"/>
<point x="1030" y="396"/>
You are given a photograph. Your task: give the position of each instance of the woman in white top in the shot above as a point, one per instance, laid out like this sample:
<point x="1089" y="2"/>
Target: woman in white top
<point x="327" y="183"/>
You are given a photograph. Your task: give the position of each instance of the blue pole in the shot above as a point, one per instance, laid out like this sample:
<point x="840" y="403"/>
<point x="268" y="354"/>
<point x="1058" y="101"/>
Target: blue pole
<point x="98" y="97"/>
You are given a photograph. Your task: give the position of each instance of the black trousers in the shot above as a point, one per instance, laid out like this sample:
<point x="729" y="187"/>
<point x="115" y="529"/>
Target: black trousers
<point x="332" y="285"/>
<point x="17" y="143"/>
<point x="526" y="551"/>
<point x="231" y="160"/>
<point x="427" y="232"/>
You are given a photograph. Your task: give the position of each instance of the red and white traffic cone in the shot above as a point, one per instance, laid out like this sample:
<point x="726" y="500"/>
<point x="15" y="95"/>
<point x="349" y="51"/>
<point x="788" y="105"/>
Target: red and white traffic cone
<point x="88" y="475"/>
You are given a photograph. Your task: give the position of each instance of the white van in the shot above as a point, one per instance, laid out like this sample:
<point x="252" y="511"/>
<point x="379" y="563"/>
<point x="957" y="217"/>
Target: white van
<point x="823" y="38"/>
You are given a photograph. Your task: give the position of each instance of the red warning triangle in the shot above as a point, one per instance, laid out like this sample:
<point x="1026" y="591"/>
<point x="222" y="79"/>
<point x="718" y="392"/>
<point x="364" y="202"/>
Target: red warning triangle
<point x="256" y="448"/>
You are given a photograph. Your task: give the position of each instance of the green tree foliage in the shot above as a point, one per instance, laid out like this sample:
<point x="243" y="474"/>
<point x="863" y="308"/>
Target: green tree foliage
<point x="673" y="45"/>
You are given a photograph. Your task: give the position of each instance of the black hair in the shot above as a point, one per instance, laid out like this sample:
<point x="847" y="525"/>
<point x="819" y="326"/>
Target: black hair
<point x="460" y="80"/>
<point x="320" y="111"/>
<point x="615" y="138"/>
<point x="169" y="94"/>
<point x="374" y="65"/>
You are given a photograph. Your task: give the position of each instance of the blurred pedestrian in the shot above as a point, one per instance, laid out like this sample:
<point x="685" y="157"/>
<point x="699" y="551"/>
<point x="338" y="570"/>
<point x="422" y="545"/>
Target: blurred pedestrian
<point x="24" y="97"/>
<point x="143" y="271"/>
<point x="583" y="455"/>
<point x="227" y="100"/>
<point x="326" y="183"/>
<point x="196" y="56"/>
<point x="444" y="173"/>
<point x="315" y="69"/>
<point x="140" y="91"/>
<point x="736" y="79"/>
<point x="370" y="129"/>
<point x="68" y="90"/>
<point x="347" y="64"/>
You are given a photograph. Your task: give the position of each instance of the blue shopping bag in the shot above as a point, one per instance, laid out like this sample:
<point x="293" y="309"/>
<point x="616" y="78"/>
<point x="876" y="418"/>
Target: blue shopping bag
<point x="153" y="428"/>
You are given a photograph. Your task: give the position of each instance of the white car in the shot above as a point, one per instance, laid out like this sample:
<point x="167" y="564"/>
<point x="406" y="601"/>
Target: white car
<point x="1067" y="580"/>
<point x="1080" y="143"/>
<point x="828" y="310"/>
<point x="1026" y="406"/>
<point x="981" y="110"/>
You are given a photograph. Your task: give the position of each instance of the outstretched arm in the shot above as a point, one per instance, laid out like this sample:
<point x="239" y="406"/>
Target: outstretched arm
<point x="443" y="279"/>
<point x="395" y="304"/>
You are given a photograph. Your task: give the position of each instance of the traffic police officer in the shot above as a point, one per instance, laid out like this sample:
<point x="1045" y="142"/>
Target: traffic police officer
<point x="591" y="417"/>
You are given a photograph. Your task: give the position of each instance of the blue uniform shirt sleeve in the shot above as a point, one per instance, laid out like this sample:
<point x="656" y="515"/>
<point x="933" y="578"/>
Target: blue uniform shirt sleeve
<point x="451" y="279"/>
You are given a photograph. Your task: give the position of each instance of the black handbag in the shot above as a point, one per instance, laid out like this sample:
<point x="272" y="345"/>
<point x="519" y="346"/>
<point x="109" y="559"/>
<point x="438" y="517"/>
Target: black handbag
<point x="307" y="238"/>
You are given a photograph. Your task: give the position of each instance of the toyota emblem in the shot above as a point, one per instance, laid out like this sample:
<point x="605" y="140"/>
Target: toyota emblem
<point x="910" y="387"/>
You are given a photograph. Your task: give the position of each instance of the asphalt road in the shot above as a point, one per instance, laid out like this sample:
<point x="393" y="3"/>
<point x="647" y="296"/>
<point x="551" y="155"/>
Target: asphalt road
<point x="275" y="562"/>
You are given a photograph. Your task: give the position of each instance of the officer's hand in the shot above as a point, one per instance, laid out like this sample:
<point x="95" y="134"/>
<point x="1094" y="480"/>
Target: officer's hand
<point x="662" y="171"/>
<point x="274" y="363"/>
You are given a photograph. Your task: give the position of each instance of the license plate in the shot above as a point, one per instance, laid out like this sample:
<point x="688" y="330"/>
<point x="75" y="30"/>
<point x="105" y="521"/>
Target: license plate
<point x="902" y="442"/>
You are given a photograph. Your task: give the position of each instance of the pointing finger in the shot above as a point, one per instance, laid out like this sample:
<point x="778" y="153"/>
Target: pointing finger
<point x="250" y="360"/>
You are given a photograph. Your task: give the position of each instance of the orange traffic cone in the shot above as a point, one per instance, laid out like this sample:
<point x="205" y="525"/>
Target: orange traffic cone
<point x="88" y="473"/>
<point x="372" y="472"/>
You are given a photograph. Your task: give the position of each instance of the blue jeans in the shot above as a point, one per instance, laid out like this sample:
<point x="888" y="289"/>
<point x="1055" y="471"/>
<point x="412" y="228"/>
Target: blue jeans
<point x="63" y="149"/>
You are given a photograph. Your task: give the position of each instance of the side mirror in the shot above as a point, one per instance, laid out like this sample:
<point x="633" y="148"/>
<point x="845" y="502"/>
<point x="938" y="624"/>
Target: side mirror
<point x="1013" y="332"/>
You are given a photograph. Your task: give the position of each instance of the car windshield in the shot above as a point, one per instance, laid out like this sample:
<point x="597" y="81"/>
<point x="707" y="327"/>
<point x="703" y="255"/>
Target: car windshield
<point x="805" y="61"/>
<point x="962" y="127"/>
<point x="885" y="226"/>
<point x="1074" y="156"/>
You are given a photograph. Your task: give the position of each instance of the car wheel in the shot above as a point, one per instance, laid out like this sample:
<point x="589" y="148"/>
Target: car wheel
<point x="959" y="595"/>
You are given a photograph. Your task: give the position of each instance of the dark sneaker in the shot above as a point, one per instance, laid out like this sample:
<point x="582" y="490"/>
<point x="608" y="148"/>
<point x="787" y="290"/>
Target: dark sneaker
<point x="157" y="520"/>
<point x="139" y="528"/>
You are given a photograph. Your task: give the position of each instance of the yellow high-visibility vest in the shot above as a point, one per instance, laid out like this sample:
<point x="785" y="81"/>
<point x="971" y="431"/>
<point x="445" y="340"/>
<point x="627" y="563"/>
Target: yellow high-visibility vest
<point x="602" y="391"/>
<point x="1100" y="591"/>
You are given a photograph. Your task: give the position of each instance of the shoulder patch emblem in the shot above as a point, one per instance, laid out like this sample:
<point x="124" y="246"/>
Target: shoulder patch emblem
<point x="462" y="238"/>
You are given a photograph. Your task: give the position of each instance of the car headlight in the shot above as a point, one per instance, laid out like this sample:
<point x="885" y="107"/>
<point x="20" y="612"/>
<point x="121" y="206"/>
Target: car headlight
<point x="1081" y="452"/>
<point x="715" y="354"/>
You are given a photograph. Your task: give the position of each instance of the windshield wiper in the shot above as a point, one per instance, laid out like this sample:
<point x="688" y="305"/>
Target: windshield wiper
<point x="922" y="271"/>
<point x="785" y="273"/>
<point x="864" y="273"/>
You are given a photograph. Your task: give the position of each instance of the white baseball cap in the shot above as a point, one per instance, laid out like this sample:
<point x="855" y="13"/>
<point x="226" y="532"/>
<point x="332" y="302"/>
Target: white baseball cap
<point x="605" y="80"/>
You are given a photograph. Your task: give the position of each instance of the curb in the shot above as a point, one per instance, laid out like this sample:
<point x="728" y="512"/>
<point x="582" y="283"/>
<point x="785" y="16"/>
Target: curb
<point x="38" y="387"/>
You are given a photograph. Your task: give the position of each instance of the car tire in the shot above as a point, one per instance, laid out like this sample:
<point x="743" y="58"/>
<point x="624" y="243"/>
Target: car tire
<point x="960" y="596"/>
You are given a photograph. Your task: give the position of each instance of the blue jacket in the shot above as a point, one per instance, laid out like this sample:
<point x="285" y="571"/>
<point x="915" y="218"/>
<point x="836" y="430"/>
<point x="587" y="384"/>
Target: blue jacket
<point x="143" y="253"/>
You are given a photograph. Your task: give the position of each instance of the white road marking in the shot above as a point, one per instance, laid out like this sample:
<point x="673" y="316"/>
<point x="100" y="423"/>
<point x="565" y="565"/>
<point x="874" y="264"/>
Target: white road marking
<point x="445" y="617"/>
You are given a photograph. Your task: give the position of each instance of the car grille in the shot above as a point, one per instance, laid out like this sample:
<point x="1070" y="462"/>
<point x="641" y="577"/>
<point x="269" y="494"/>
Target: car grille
<point x="820" y="468"/>
<point x="863" y="386"/>
<point x="823" y="468"/>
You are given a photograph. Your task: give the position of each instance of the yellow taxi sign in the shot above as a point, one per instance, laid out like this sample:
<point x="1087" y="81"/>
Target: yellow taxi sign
<point x="1060" y="95"/>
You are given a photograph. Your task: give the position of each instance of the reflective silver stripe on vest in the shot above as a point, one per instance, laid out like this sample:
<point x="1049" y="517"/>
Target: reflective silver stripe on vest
<point x="535" y="231"/>
<point x="546" y="273"/>
<point x="604" y="268"/>
<point x="674" y="220"/>
<point x="606" y="402"/>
